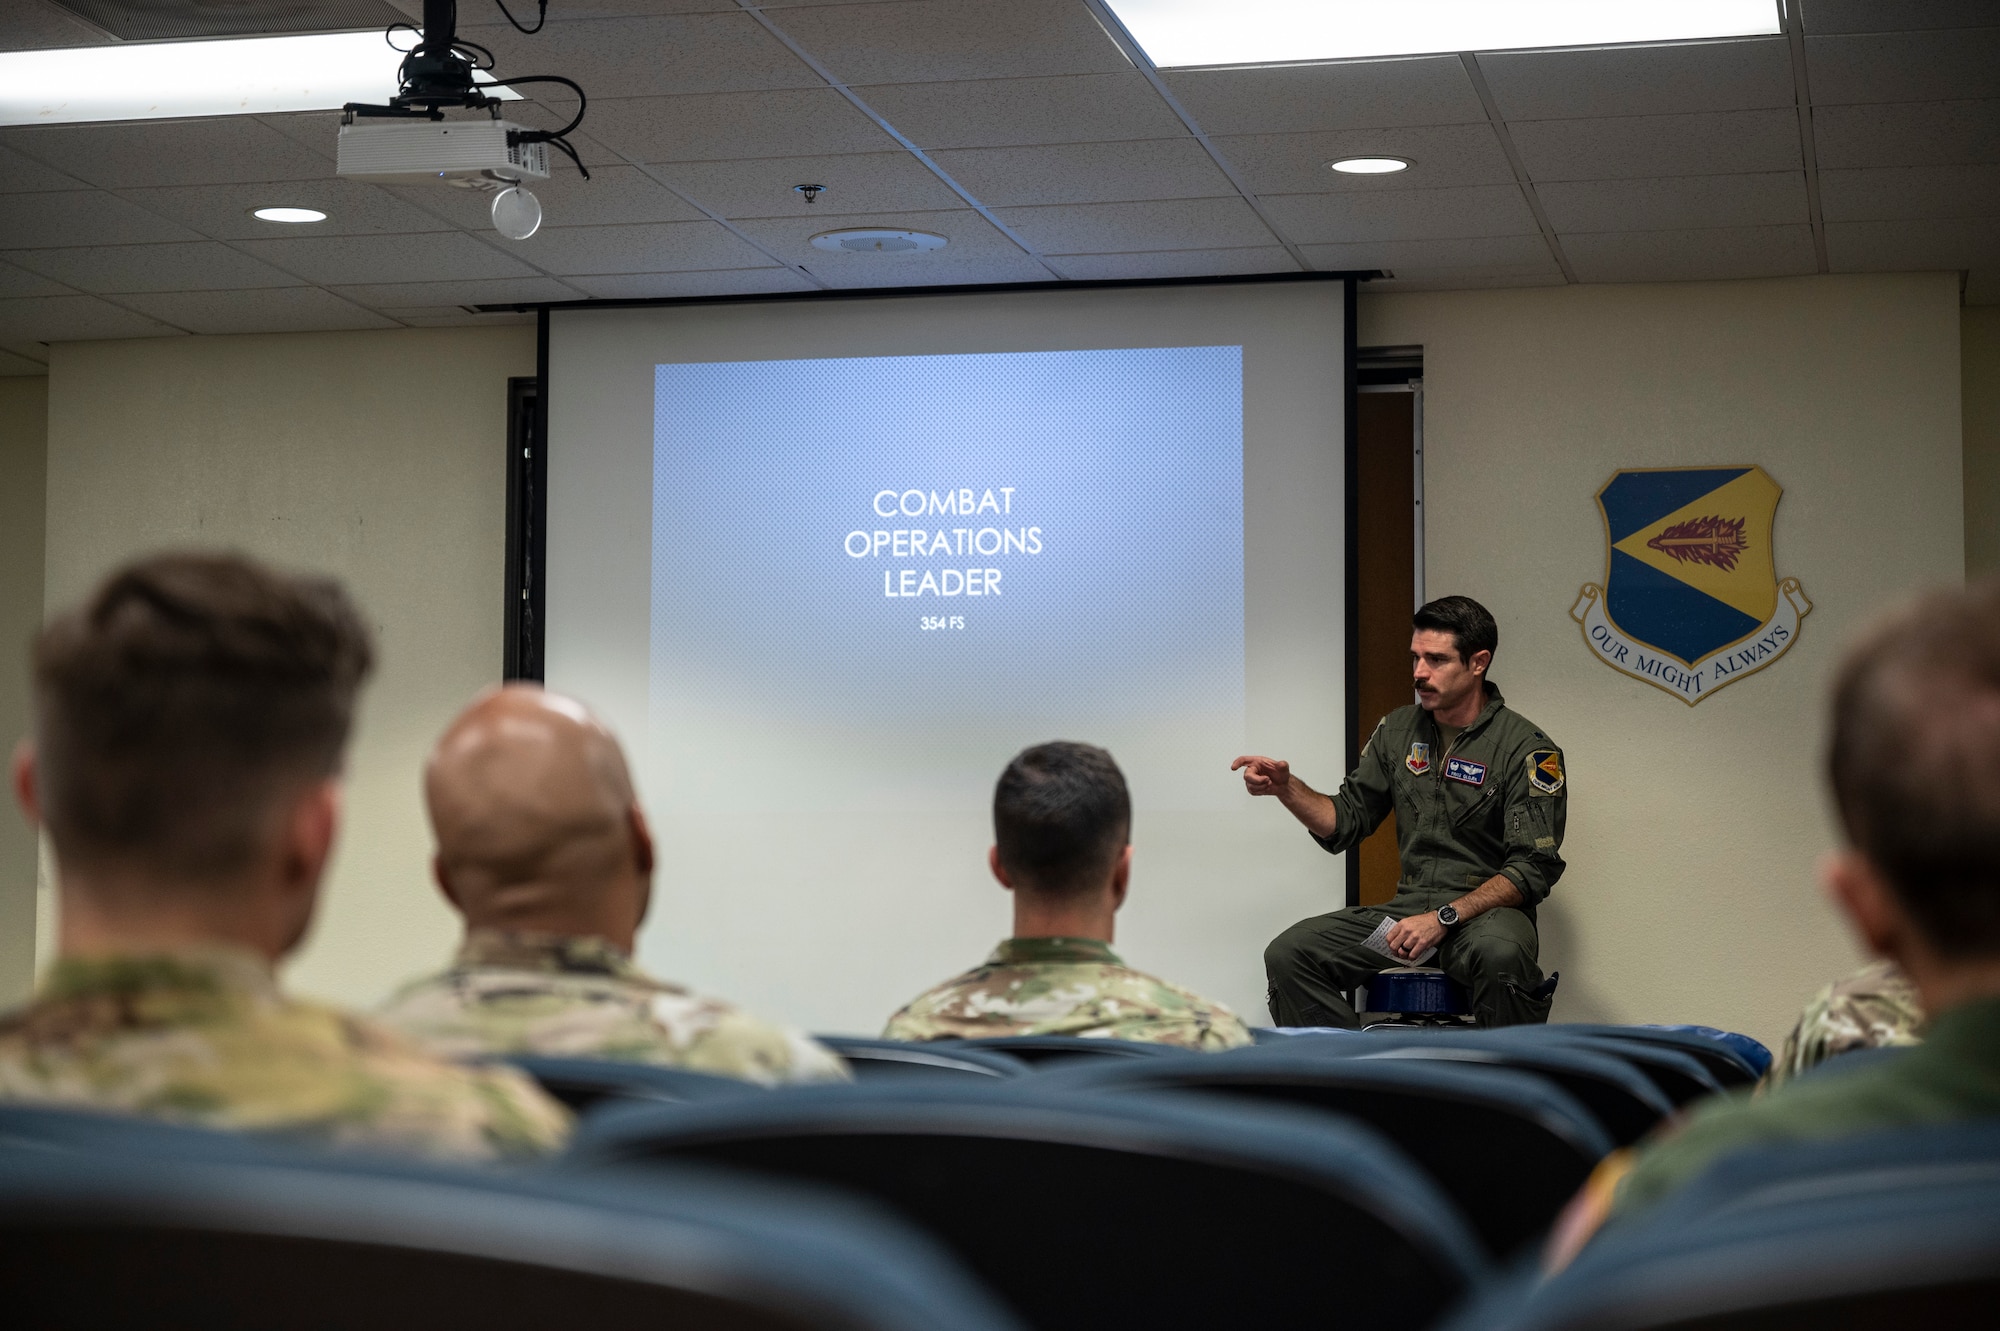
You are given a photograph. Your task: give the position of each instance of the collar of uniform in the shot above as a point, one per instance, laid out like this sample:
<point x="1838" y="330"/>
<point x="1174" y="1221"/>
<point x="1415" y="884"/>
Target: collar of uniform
<point x="1031" y="951"/>
<point x="1969" y="1033"/>
<point x="1494" y="702"/>
<point x="215" y="971"/>
<point x="561" y="954"/>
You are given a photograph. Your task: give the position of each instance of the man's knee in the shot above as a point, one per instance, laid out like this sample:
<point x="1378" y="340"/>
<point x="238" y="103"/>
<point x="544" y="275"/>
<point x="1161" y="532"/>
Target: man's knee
<point x="1495" y="955"/>
<point x="1283" y="954"/>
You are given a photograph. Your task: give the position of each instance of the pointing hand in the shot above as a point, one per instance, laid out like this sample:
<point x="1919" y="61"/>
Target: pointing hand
<point x="1263" y="776"/>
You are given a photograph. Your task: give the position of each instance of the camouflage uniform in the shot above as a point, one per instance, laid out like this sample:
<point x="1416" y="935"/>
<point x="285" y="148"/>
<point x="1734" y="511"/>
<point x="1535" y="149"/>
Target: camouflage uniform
<point x="1066" y="986"/>
<point x="520" y="993"/>
<point x="203" y="1037"/>
<point x="1874" y="1007"/>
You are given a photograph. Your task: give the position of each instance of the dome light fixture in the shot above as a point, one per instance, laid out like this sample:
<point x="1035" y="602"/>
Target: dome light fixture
<point x="878" y="240"/>
<point x="289" y="214"/>
<point x="1371" y="166"/>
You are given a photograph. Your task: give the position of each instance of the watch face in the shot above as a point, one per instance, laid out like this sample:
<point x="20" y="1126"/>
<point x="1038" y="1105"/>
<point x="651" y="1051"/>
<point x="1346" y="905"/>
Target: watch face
<point x="1447" y="915"/>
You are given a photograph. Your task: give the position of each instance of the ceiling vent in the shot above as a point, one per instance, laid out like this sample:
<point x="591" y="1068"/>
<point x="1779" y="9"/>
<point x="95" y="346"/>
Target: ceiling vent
<point x="878" y="240"/>
<point x="155" y="20"/>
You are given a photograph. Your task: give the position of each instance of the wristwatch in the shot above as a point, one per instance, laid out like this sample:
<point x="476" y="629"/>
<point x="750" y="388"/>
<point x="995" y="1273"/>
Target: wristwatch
<point x="1447" y="916"/>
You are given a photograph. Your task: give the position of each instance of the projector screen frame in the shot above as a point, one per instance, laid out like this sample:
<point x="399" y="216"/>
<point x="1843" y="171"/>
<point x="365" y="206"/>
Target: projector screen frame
<point x="524" y="650"/>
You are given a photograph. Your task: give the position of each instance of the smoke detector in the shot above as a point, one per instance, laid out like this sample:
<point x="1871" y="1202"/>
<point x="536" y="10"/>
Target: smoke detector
<point x="878" y="240"/>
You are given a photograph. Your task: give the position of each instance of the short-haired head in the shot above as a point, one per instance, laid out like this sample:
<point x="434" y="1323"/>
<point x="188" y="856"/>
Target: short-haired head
<point x="1916" y="727"/>
<point x="1061" y="818"/>
<point x="181" y="706"/>
<point x="1469" y="623"/>
<point x="535" y="817"/>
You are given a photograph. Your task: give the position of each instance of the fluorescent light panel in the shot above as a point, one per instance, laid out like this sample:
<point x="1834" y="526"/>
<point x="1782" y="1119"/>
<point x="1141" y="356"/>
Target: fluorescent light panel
<point x="161" y="80"/>
<point x="1180" y="33"/>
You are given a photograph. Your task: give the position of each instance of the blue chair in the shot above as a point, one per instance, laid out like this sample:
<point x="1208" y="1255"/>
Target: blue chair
<point x="929" y="1061"/>
<point x="107" y="1223"/>
<point x="1045" y="1050"/>
<point x="1678" y="1075"/>
<point x="1096" y="1210"/>
<point x="1623" y="1099"/>
<point x="1507" y="1147"/>
<point x="1733" y="1060"/>
<point x="585" y="1084"/>
<point x="1840" y="1251"/>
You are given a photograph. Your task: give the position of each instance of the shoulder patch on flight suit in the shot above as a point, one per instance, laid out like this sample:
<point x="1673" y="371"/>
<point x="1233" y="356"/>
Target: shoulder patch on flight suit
<point x="1419" y="759"/>
<point x="1545" y="771"/>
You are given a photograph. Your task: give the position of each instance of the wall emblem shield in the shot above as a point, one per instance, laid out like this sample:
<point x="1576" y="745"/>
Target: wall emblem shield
<point x="1691" y="600"/>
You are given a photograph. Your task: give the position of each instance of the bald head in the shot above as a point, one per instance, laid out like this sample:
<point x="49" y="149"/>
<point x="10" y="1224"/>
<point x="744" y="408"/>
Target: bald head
<point x="536" y="824"/>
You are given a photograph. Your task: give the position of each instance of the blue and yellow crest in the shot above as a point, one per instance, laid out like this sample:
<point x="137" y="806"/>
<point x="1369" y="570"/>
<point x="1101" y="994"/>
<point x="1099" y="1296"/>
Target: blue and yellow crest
<point x="1691" y="600"/>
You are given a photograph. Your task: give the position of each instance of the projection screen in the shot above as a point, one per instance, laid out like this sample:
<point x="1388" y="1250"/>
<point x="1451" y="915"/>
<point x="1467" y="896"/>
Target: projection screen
<point x="826" y="565"/>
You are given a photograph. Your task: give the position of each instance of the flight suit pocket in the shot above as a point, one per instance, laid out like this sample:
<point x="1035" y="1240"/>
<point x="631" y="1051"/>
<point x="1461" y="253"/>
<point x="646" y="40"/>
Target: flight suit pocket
<point x="1529" y="1009"/>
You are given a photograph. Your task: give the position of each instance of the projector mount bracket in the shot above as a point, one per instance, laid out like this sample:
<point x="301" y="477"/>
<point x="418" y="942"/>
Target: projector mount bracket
<point x="439" y="71"/>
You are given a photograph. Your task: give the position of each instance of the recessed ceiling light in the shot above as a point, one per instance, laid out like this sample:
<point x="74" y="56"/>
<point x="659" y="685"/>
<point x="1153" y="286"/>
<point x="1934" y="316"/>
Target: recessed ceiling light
<point x="290" y="214"/>
<point x="1370" y="166"/>
<point x="1179" y="33"/>
<point x="878" y="240"/>
<point x="154" y="80"/>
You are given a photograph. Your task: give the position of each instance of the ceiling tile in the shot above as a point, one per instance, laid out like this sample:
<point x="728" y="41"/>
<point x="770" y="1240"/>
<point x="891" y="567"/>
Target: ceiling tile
<point x="1909" y="134"/>
<point x="288" y="310"/>
<point x="667" y="247"/>
<point x="73" y="319"/>
<point x="1176" y="263"/>
<point x="726" y="282"/>
<point x="20" y="282"/>
<point x="923" y="40"/>
<point x="1882" y="193"/>
<point x="14" y="366"/>
<point x="1982" y="285"/>
<point x="80" y="217"/>
<point x="931" y="270"/>
<point x="33" y="27"/>
<point x="203" y="265"/>
<point x="316" y="131"/>
<point x="1904" y="66"/>
<point x="1644" y="147"/>
<point x="1006" y="113"/>
<point x="1941" y="244"/>
<point x="1458" y="280"/>
<point x="1894" y="15"/>
<point x="1087" y="172"/>
<point x="1684" y="256"/>
<point x="351" y="208"/>
<point x="584" y="11"/>
<point x="129" y="154"/>
<point x="1364" y="94"/>
<point x="411" y="295"/>
<point x="1762" y="199"/>
<point x="21" y="174"/>
<point x="1408" y="214"/>
<point x="440" y="256"/>
<point x="1641" y="80"/>
<point x="454" y="316"/>
<point x="727" y="51"/>
<point x="1113" y="228"/>
<point x="1297" y="163"/>
<point x="856" y="182"/>
<point x="728" y="126"/>
<point x="971" y="238"/>
<point x="1489" y="254"/>
<point x="613" y="196"/>
<point x="37" y="352"/>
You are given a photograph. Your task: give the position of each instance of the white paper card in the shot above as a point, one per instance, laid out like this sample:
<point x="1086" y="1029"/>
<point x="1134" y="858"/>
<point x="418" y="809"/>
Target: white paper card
<point x="1378" y="942"/>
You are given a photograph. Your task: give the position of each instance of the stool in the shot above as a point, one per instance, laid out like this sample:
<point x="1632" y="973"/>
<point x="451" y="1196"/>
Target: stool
<point x="1412" y="997"/>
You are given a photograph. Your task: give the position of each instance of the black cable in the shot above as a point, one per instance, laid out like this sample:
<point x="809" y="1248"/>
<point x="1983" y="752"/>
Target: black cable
<point x="389" y="34"/>
<point x="564" y="145"/>
<point x="550" y="135"/>
<point x="541" y="20"/>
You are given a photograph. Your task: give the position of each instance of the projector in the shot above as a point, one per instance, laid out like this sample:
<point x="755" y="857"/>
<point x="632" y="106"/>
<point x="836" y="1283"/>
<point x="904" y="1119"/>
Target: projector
<point x="473" y="154"/>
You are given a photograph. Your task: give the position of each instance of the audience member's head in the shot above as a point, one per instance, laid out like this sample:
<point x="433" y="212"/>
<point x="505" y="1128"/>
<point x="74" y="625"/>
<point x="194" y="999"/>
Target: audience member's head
<point x="537" y="826"/>
<point x="1062" y="825"/>
<point x="189" y="722"/>
<point x="1916" y="727"/>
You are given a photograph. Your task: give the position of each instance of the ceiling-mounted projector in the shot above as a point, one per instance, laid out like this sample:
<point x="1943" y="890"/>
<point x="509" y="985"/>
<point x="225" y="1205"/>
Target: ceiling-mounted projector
<point x="480" y="154"/>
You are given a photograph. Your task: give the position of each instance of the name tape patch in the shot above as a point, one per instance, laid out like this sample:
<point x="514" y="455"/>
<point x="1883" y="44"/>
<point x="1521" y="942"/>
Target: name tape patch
<point x="1460" y="769"/>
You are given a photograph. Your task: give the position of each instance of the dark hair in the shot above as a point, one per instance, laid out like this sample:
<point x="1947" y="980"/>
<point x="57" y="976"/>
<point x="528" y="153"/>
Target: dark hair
<point x="1469" y="623"/>
<point x="1916" y="727"/>
<point x="1061" y="815"/>
<point x="182" y="701"/>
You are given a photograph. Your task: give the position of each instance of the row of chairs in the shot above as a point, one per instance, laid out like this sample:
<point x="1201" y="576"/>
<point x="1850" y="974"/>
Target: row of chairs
<point x="1311" y="1180"/>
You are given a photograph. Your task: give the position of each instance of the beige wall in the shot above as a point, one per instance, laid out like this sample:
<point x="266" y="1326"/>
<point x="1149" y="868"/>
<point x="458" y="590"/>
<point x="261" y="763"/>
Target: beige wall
<point x="378" y="457"/>
<point x="1979" y="350"/>
<point x="23" y="430"/>
<point x="1690" y="894"/>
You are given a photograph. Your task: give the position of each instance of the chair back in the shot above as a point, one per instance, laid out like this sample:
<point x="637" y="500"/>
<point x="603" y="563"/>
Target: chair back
<point x="1507" y="1147"/>
<point x="1087" y="1211"/>
<point x="926" y="1061"/>
<point x="586" y="1084"/>
<point x="1733" y="1060"/>
<point x="166" y="1229"/>
<point x="1678" y="1075"/>
<point x="1039" y="1051"/>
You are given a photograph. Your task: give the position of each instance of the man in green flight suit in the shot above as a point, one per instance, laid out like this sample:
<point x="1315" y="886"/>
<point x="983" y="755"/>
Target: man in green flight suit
<point x="1480" y="799"/>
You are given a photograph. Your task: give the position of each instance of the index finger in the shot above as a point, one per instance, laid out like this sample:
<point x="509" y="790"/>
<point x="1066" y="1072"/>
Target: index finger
<point x="1245" y="759"/>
